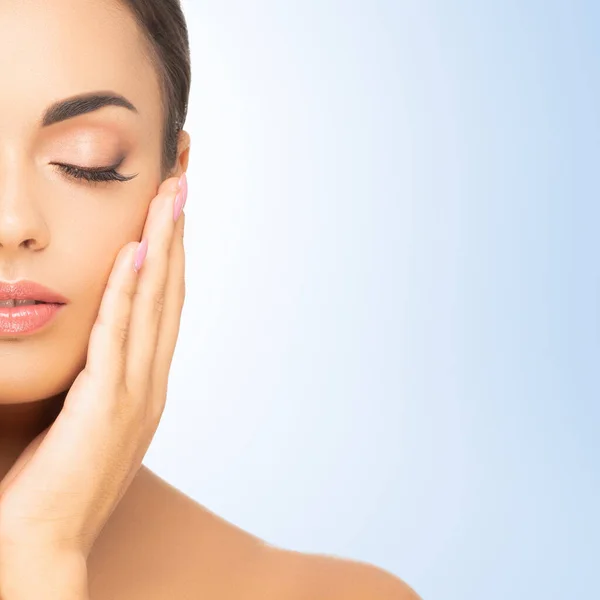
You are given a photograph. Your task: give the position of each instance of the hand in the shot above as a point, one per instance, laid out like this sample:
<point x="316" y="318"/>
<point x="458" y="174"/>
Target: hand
<point x="60" y="492"/>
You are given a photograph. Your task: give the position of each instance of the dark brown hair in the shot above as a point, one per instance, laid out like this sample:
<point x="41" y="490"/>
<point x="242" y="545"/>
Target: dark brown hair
<point x="163" y="24"/>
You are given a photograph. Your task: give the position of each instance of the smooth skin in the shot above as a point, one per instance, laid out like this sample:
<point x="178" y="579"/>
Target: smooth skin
<point x="56" y="498"/>
<point x="80" y="401"/>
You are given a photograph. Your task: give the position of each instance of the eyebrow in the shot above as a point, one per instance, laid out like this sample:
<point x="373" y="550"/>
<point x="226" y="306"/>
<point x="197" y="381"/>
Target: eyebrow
<point x="82" y="104"/>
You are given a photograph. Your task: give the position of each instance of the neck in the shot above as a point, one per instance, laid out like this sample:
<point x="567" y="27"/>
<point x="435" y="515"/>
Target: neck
<point x="21" y="423"/>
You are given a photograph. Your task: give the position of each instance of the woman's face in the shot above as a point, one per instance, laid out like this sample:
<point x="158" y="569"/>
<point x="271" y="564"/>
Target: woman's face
<point x="62" y="232"/>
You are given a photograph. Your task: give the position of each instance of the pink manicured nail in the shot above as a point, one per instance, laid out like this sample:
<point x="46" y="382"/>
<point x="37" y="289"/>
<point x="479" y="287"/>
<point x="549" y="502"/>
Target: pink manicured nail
<point x="184" y="187"/>
<point x="140" y="255"/>
<point x="178" y="206"/>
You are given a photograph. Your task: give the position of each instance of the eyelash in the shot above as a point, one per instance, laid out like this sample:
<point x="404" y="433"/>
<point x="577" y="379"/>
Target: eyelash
<point x="100" y="174"/>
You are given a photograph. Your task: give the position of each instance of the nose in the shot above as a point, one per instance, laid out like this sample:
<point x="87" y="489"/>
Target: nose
<point x="22" y="226"/>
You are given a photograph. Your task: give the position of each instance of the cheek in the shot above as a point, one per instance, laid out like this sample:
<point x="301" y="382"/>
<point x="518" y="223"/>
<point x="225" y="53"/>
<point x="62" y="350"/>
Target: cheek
<point x="93" y="251"/>
<point x="91" y="234"/>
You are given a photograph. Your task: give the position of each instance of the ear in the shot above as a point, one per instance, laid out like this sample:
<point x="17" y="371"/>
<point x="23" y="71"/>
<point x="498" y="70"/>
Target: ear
<point x="183" y="153"/>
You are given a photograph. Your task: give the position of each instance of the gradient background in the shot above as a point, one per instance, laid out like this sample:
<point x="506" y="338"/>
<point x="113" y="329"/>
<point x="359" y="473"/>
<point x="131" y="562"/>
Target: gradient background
<point x="389" y="349"/>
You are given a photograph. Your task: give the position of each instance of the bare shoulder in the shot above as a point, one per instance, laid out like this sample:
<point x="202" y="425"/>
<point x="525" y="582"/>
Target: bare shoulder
<point x="289" y="575"/>
<point x="161" y="545"/>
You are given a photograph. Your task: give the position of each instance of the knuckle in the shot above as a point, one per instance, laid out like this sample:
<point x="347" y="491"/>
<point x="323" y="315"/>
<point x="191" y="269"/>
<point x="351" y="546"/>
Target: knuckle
<point x="124" y="411"/>
<point x="121" y="361"/>
<point x="123" y="333"/>
<point x="158" y="300"/>
<point x="117" y="411"/>
<point x="129" y="291"/>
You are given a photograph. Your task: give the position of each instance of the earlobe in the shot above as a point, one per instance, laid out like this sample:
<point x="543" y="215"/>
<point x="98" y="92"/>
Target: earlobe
<point x="183" y="150"/>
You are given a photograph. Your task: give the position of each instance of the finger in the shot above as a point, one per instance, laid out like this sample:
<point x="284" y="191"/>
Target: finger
<point x="107" y="347"/>
<point x="149" y="299"/>
<point x="86" y="455"/>
<point x="169" y="185"/>
<point x="171" y="318"/>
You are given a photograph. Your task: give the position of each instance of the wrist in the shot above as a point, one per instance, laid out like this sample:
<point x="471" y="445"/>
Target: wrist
<point x="50" y="576"/>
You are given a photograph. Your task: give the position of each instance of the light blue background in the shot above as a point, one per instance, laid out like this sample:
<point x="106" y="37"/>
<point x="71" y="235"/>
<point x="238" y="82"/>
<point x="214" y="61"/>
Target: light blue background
<point x="389" y="350"/>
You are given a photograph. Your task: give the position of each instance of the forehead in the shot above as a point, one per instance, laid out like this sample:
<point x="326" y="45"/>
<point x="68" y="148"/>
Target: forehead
<point x="53" y="49"/>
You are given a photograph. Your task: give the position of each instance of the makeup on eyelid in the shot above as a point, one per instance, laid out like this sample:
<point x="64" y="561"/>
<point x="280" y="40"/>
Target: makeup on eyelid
<point x="88" y="147"/>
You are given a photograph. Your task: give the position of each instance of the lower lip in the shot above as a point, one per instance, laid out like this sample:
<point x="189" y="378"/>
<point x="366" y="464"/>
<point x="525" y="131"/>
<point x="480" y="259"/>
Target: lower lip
<point x="26" y="319"/>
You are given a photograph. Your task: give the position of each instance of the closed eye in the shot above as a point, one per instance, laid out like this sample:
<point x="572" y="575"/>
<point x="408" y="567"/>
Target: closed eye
<point x="93" y="175"/>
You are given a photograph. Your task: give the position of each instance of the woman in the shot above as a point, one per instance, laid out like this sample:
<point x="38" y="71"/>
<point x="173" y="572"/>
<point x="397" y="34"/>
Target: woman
<point x="92" y="162"/>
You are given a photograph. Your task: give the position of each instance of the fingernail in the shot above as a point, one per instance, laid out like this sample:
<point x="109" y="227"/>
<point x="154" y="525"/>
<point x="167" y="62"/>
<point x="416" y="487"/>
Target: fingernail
<point x="184" y="186"/>
<point x="140" y="255"/>
<point x="178" y="206"/>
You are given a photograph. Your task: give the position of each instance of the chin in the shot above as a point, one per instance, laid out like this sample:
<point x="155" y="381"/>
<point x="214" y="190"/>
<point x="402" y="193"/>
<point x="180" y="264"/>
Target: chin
<point x="33" y="372"/>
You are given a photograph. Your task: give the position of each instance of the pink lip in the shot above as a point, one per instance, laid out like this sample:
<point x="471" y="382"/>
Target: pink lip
<point x="22" y="320"/>
<point x="29" y="290"/>
<point x="19" y="320"/>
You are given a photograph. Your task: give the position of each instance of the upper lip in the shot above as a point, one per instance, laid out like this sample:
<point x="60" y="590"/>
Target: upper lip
<point x="29" y="290"/>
